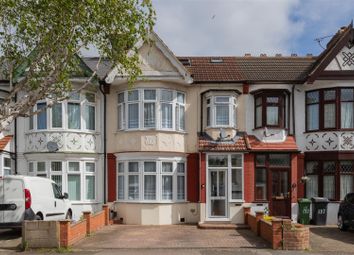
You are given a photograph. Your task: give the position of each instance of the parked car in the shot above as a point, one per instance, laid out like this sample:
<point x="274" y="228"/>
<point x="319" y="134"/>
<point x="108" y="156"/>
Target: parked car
<point x="31" y="198"/>
<point x="346" y="212"/>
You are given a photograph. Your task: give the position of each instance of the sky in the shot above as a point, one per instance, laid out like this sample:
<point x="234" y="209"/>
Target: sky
<point x="236" y="27"/>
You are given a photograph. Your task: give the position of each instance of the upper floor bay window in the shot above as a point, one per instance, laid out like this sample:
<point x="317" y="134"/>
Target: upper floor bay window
<point x="151" y="180"/>
<point x="77" y="178"/>
<point x="270" y="110"/>
<point x="330" y="109"/>
<point x="151" y="109"/>
<point x="76" y="113"/>
<point x="221" y="111"/>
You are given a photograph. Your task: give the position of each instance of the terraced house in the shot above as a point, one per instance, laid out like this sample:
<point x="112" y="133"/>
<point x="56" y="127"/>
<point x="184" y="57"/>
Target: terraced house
<point x="196" y="139"/>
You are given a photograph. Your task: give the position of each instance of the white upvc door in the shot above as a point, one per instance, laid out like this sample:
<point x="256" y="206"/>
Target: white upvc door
<point x="217" y="196"/>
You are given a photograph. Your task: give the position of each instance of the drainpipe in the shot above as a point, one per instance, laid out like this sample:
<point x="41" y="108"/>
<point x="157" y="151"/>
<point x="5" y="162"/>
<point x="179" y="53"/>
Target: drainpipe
<point x="103" y="83"/>
<point x="15" y="139"/>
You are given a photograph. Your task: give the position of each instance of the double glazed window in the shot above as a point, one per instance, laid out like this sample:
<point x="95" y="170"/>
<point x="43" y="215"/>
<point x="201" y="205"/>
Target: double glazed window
<point x="233" y="165"/>
<point x="332" y="179"/>
<point x="221" y="111"/>
<point x="7" y="165"/>
<point x="270" y="110"/>
<point x="77" y="178"/>
<point x="151" y="109"/>
<point x="330" y="109"/>
<point x="78" y="113"/>
<point x="151" y="180"/>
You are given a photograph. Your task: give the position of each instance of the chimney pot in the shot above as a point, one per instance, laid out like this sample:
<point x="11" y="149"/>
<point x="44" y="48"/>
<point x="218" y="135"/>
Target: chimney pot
<point x="293" y="54"/>
<point x="248" y="55"/>
<point x="278" y="55"/>
<point x="309" y="55"/>
<point x="263" y="55"/>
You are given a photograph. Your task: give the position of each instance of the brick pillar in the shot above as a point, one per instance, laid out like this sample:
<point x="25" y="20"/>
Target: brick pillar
<point x="300" y="173"/>
<point x="111" y="177"/>
<point x="106" y="214"/>
<point x="249" y="177"/>
<point x="294" y="181"/>
<point x="246" y="211"/>
<point x="87" y="217"/>
<point x="259" y="216"/>
<point x="193" y="177"/>
<point x="64" y="234"/>
<point x="277" y="233"/>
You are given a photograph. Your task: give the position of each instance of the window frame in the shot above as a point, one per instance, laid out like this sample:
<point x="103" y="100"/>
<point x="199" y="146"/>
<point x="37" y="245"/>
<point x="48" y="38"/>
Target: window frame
<point x="337" y="174"/>
<point x="159" y="175"/>
<point x="211" y="106"/>
<point x="123" y="117"/>
<point x="321" y="104"/>
<point x="281" y="105"/>
<point x="65" y="172"/>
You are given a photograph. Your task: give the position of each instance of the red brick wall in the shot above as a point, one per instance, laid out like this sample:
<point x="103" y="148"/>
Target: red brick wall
<point x="252" y="222"/>
<point x="97" y="221"/>
<point x="295" y="237"/>
<point x="266" y="231"/>
<point x="111" y="177"/>
<point x="300" y="173"/>
<point x="249" y="177"/>
<point x="193" y="177"/>
<point x="77" y="232"/>
<point x="202" y="173"/>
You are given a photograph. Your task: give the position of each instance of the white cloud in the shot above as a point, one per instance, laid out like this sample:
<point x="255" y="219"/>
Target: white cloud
<point x="226" y="27"/>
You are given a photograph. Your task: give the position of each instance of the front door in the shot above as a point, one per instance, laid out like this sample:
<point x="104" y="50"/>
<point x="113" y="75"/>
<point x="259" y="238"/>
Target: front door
<point x="280" y="192"/>
<point x="217" y="194"/>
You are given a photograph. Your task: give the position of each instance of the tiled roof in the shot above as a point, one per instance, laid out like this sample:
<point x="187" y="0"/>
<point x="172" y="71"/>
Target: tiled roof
<point x="104" y="67"/>
<point x="248" y="68"/>
<point x="4" y="141"/>
<point x="207" y="144"/>
<point x="256" y="145"/>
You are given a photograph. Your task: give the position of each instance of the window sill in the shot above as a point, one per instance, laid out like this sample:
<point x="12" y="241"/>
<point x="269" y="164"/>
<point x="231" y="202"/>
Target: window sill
<point x="237" y="201"/>
<point x="152" y="130"/>
<point x="218" y="127"/>
<point x="62" y="130"/>
<point x="328" y="130"/>
<point x="84" y="202"/>
<point x="152" y="202"/>
<point x="270" y="127"/>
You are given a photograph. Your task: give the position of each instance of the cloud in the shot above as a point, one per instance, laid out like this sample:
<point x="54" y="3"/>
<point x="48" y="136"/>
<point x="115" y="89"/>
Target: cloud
<point x="225" y="27"/>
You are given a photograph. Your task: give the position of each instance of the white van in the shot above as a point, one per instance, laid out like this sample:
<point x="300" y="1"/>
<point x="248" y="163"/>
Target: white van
<point x="31" y="198"/>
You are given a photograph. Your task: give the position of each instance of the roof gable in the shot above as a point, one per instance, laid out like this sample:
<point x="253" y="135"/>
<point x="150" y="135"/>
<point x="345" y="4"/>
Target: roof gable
<point x="157" y="61"/>
<point x="337" y="59"/>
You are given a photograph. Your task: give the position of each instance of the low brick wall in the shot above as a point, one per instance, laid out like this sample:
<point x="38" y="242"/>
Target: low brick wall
<point x="40" y="234"/>
<point x="64" y="233"/>
<point x="281" y="233"/>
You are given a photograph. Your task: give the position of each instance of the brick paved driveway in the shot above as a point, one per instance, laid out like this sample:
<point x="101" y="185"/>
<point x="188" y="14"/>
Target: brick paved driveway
<point x="174" y="236"/>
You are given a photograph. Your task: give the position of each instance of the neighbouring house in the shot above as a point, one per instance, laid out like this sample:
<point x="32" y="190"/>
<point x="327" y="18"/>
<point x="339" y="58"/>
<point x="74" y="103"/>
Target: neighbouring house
<point x="197" y="139"/>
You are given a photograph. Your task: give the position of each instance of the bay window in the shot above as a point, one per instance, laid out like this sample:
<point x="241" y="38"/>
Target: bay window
<point x="270" y="109"/>
<point x="221" y="111"/>
<point x="152" y="180"/>
<point x="151" y="109"/>
<point x="77" y="113"/>
<point x="332" y="179"/>
<point x="330" y="109"/>
<point x="77" y="178"/>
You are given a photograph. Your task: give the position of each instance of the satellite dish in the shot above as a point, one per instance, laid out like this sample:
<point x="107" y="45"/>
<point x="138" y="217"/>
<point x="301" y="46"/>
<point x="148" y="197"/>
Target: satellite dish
<point x="223" y="134"/>
<point x="52" y="146"/>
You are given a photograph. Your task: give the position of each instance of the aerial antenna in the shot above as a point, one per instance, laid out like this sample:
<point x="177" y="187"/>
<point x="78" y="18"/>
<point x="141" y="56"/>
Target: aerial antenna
<point x="320" y="39"/>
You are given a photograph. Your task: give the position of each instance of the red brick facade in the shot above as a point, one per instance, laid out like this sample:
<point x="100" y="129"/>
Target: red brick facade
<point x="248" y="162"/>
<point x="193" y="177"/>
<point x="111" y="177"/>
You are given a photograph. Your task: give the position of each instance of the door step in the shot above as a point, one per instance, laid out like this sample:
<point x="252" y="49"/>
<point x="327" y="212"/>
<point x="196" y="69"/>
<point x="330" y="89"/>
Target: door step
<point x="221" y="225"/>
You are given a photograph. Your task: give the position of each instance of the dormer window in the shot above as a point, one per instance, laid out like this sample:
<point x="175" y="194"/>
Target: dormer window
<point x="270" y="110"/>
<point x="221" y="111"/>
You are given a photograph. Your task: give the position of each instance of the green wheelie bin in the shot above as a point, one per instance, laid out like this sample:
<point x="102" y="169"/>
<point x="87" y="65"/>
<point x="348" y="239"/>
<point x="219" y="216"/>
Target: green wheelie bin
<point x="304" y="211"/>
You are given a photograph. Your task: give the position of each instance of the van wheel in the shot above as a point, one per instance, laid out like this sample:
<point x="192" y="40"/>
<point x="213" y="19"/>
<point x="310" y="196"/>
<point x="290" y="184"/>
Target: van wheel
<point x="69" y="215"/>
<point x="38" y="217"/>
<point x="341" y="224"/>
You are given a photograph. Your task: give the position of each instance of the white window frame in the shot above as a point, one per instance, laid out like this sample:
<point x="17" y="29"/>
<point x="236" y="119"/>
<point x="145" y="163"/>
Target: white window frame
<point x="159" y="174"/>
<point x="82" y="101"/>
<point x="232" y="103"/>
<point x="123" y="118"/>
<point x="65" y="173"/>
<point x="5" y="168"/>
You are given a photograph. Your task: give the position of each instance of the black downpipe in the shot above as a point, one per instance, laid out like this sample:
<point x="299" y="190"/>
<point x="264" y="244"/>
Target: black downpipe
<point x="103" y="83"/>
<point x="15" y="140"/>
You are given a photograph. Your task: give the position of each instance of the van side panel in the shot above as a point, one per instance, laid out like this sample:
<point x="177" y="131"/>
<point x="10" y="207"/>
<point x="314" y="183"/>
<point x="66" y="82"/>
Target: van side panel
<point x="14" y="195"/>
<point x="42" y="196"/>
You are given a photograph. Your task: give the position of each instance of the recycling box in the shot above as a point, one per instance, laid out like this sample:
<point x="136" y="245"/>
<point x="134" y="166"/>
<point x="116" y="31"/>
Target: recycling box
<point x="319" y="210"/>
<point x="304" y="211"/>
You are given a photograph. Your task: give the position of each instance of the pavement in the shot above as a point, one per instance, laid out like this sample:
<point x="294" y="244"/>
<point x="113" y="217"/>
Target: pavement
<point x="186" y="239"/>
